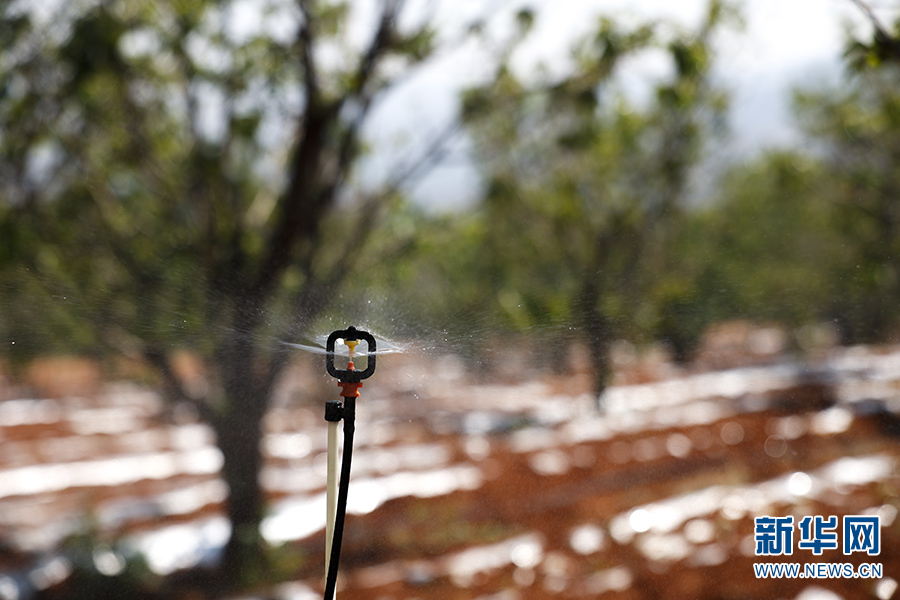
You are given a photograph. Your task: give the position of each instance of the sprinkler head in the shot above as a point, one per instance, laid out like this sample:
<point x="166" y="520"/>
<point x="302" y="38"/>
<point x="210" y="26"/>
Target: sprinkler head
<point x="351" y="338"/>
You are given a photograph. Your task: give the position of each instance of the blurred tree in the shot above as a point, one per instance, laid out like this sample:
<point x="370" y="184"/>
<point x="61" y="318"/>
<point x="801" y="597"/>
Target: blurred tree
<point x="584" y="220"/>
<point x="585" y="190"/>
<point x="810" y="236"/>
<point x="179" y="174"/>
<point x="765" y="249"/>
<point x="800" y="237"/>
<point x="855" y="129"/>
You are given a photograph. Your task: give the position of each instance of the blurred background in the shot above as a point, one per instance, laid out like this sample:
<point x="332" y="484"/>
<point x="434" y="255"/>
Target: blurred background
<point x="634" y="269"/>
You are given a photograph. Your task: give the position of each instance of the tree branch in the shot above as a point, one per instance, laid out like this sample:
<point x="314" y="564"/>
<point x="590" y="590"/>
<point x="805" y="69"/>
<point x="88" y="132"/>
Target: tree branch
<point x="305" y="42"/>
<point x="881" y="33"/>
<point x="311" y="299"/>
<point x="381" y="41"/>
<point x="310" y="192"/>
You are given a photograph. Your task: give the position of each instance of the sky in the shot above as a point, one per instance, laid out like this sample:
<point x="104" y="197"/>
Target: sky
<point x="784" y="44"/>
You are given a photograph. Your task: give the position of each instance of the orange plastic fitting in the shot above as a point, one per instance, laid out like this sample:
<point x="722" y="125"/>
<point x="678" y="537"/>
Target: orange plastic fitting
<point x="349" y="389"/>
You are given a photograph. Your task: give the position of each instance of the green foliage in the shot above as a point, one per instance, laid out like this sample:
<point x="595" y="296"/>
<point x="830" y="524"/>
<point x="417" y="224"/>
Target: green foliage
<point x="883" y="49"/>
<point x="417" y="46"/>
<point x="755" y="251"/>
<point x="137" y="161"/>
<point x="525" y="19"/>
<point x="585" y="219"/>
<point x="802" y="238"/>
<point x="857" y="129"/>
<point x="172" y="181"/>
<point x="585" y="192"/>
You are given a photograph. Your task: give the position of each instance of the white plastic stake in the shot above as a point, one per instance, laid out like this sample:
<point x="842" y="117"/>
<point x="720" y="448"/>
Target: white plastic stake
<point x="331" y="491"/>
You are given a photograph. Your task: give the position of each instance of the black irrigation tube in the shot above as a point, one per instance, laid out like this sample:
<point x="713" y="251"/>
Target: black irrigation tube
<point x="349" y="416"/>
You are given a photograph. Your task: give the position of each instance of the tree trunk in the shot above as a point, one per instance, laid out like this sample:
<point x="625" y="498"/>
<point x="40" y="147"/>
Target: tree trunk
<point x="598" y="340"/>
<point x="248" y="376"/>
<point x="597" y="331"/>
<point x="240" y="439"/>
<point x="595" y="324"/>
<point x="240" y="431"/>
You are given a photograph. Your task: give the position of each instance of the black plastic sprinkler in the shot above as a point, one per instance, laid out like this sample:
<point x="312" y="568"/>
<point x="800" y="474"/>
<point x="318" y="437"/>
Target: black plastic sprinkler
<point x="349" y="380"/>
